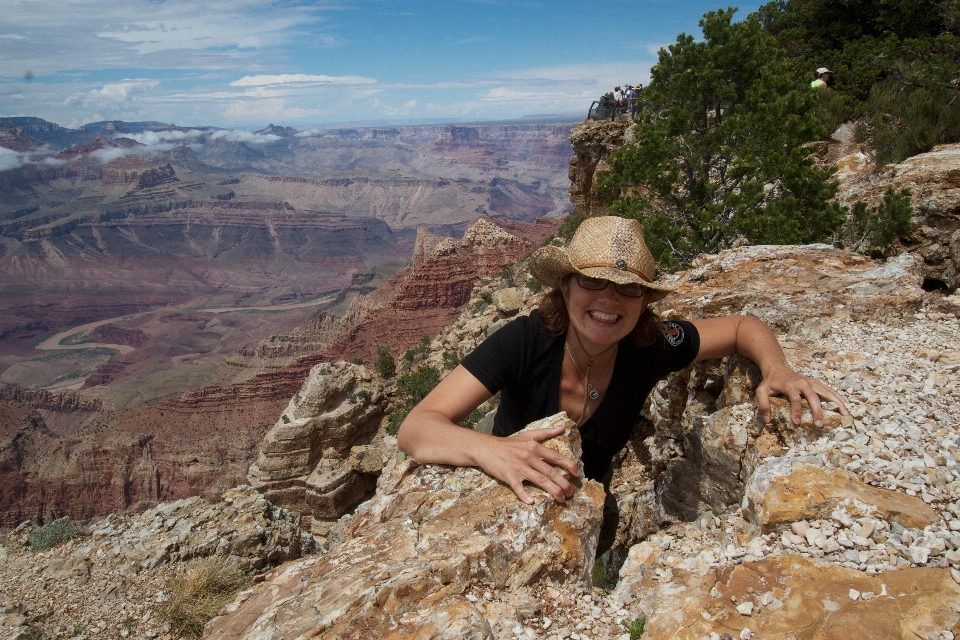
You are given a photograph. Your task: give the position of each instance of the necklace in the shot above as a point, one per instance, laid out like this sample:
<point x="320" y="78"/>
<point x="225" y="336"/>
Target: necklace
<point x="588" y="387"/>
<point x="589" y="391"/>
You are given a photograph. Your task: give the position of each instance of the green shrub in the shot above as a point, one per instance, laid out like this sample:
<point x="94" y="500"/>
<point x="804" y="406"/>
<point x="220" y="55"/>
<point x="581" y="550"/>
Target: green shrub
<point x="569" y="226"/>
<point x="53" y="533"/>
<point x="868" y="230"/>
<point x="450" y="359"/>
<point x="719" y="156"/>
<point x="411" y="389"/>
<point x="199" y="591"/>
<point x="600" y="578"/>
<point x="419" y="352"/>
<point x="893" y="65"/>
<point x="635" y="628"/>
<point x="358" y="361"/>
<point x="358" y="395"/>
<point x="470" y="422"/>
<point x="916" y="105"/>
<point x="386" y="365"/>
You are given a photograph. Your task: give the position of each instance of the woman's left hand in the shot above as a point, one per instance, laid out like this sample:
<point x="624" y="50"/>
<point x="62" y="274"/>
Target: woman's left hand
<point x="783" y="380"/>
<point x="751" y="337"/>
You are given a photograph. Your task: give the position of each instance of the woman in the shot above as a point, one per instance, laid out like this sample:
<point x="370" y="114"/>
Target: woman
<point x="594" y="350"/>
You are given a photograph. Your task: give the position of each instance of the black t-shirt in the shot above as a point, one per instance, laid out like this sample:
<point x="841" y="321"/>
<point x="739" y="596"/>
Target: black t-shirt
<point x="522" y="360"/>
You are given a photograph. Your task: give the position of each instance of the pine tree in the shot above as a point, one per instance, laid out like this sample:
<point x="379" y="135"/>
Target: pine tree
<point x="719" y="157"/>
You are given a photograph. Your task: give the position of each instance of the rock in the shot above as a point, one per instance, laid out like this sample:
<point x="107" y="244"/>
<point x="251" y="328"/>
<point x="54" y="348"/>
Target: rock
<point x="592" y="142"/>
<point x="817" y="598"/>
<point x="435" y="289"/>
<point x="784" y="491"/>
<point x="114" y="581"/>
<point x="508" y="301"/>
<point x="407" y="556"/>
<point x="309" y="462"/>
<point x="931" y="177"/>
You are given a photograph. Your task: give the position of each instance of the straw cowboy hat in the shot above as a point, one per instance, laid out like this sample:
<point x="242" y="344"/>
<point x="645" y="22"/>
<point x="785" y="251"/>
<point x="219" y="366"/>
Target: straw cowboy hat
<point x="607" y="247"/>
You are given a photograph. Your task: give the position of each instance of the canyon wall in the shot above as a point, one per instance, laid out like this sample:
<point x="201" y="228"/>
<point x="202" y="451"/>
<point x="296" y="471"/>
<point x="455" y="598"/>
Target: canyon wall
<point x="203" y="441"/>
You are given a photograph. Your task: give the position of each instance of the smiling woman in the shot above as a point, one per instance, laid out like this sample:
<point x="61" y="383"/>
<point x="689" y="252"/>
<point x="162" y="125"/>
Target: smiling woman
<point x="594" y="350"/>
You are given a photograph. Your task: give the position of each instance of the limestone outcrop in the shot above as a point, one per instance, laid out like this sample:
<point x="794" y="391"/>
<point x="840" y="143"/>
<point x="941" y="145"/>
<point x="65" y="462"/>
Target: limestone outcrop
<point x="112" y="582"/>
<point x="592" y="143"/>
<point x="933" y="178"/>
<point x="934" y="181"/>
<point x="437" y="287"/>
<point x="410" y="560"/>
<point x="707" y="412"/>
<point x="789" y="597"/>
<point x="318" y="459"/>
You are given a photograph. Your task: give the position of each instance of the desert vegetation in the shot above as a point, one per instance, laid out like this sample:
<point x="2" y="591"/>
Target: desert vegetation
<point x="722" y="153"/>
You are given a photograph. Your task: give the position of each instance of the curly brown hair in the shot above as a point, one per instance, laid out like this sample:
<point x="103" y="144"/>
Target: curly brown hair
<point x="554" y="316"/>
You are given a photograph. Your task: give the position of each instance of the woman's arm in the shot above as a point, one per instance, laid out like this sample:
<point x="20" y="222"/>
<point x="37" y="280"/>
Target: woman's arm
<point x="430" y="435"/>
<point x="752" y="338"/>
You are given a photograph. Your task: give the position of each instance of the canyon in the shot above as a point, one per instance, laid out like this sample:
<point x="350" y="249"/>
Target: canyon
<point x="728" y="526"/>
<point x="204" y="272"/>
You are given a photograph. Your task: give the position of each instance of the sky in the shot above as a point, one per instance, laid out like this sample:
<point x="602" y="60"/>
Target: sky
<point x="244" y="64"/>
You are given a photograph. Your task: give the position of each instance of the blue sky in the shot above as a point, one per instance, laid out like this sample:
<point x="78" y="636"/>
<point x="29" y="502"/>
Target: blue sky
<point x="245" y="64"/>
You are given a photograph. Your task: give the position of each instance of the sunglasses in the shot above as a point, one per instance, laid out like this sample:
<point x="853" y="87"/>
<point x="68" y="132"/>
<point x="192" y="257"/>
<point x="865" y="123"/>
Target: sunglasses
<point x="632" y="290"/>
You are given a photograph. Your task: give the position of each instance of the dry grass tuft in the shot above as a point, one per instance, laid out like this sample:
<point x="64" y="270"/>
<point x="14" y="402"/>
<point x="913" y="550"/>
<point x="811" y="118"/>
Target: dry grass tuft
<point x="198" y="591"/>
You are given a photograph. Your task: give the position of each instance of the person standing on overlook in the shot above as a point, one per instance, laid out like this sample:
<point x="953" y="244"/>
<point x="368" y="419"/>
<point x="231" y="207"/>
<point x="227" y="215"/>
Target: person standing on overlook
<point x="823" y="79"/>
<point x="595" y="350"/>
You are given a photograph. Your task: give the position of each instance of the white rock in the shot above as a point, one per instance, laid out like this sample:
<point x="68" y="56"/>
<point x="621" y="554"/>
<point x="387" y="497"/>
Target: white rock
<point x="745" y="608"/>
<point x="919" y="555"/>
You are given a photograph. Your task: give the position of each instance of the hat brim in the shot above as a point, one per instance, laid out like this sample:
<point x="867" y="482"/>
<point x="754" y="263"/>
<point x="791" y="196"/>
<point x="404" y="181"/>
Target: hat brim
<point x="550" y="264"/>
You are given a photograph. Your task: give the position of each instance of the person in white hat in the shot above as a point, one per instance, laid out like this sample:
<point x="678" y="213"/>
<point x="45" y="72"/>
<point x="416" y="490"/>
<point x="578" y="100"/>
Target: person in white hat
<point x="594" y="350"/>
<point x="823" y="79"/>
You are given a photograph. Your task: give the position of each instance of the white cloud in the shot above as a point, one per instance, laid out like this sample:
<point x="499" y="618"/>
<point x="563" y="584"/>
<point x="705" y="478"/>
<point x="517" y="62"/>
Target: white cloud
<point x="239" y="135"/>
<point x="109" y="154"/>
<point x="154" y="138"/>
<point x="10" y="159"/>
<point x="297" y="79"/>
<point x="385" y="110"/>
<point x="191" y="32"/>
<point x="264" y="109"/>
<point x="117" y="96"/>
<point x="54" y="36"/>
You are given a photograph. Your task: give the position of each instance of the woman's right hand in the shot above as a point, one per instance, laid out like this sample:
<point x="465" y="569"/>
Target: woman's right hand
<point x="430" y="435"/>
<point x="522" y="457"/>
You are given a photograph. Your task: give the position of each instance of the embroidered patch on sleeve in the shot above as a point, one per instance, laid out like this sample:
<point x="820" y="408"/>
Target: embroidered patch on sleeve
<point x="673" y="332"/>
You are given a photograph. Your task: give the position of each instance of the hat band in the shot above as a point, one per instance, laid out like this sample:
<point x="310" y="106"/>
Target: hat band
<point x="607" y="265"/>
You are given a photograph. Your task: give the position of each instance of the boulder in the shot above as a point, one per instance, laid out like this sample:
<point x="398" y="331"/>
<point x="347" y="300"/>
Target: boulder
<point x="790" y="597"/>
<point x="786" y="490"/>
<point x="508" y="301"/>
<point x="310" y="461"/>
<point x="932" y="178"/>
<point x="406" y="558"/>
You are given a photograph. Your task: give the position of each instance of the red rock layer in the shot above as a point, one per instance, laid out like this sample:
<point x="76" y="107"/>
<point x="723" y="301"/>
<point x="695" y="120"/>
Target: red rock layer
<point x="434" y="291"/>
<point x="203" y="441"/>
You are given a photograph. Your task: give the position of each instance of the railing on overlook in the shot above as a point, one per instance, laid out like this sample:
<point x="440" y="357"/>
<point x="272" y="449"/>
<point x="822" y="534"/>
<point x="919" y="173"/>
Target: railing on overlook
<point x="608" y="109"/>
